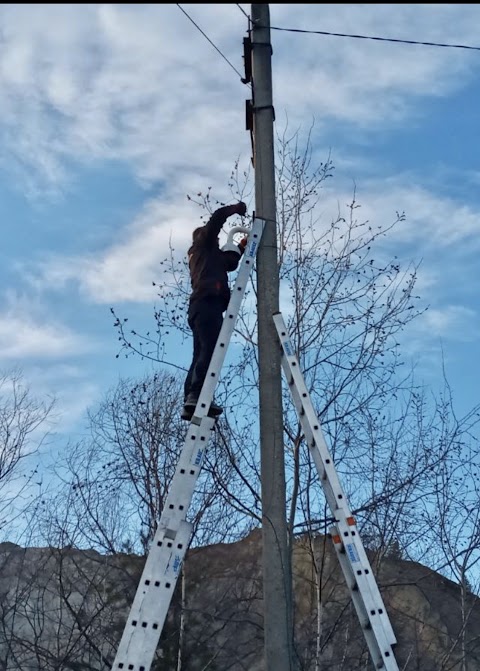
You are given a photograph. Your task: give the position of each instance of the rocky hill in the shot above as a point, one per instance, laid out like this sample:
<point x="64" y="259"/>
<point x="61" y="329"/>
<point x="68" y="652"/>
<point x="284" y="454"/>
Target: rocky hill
<point x="64" y="610"/>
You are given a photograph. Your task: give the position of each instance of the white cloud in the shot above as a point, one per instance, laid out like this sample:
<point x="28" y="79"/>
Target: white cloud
<point x="116" y="81"/>
<point x="430" y="342"/>
<point x="453" y="322"/>
<point x="430" y="217"/>
<point x="74" y="389"/>
<point x="368" y="82"/>
<point x="126" y="269"/>
<point x="25" y="333"/>
<point x="123" y="89"/>
<point x="139" y="84"/>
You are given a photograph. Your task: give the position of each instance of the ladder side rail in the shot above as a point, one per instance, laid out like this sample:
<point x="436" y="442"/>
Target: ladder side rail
<point x="373" y="619"/>
<point x="334" y="493"/>
<point x="309" y="421"/>
<point x="151" y="603"/>
<point x="335" y="496"/>
<point x="361" y="571"/>
<point x="172" y="504"/>
<point x="337" y="501"/>
<point x="361" y="576"/>
<point x="149" y="610"/>
<point x="315" y="442"/>
<point x="155" y="589"/>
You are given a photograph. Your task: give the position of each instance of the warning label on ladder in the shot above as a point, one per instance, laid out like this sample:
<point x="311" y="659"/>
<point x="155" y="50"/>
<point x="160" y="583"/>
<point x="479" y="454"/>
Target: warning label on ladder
<point x="352" y="552"/>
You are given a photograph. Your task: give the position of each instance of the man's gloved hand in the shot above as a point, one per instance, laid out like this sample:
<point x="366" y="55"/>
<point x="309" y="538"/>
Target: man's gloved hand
<point x="241" y="209"/>
<point x="243" y="242"/>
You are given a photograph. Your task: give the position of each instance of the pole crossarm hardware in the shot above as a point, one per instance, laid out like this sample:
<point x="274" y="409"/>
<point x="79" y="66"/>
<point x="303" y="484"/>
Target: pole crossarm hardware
<point x="155" y="590"/>
<point x="351" y="553"/>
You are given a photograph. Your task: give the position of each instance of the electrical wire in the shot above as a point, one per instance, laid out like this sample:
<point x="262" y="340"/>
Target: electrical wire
<point x="369" y="37"/>
<point x="243" y="11"/>
<point x="213" y="45"/>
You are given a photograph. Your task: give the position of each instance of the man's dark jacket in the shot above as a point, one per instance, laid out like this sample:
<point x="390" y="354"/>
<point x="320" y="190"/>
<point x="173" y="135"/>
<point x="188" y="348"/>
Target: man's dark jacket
<point x="208" y="263"/>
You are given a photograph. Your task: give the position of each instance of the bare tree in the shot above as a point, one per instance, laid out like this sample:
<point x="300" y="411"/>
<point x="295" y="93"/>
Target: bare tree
<point x="114" y="485"/>
<point x="116" y="481"/>
<point x="347" y="304"/>
<point x="395" y="445"/>
<point x="24" y="427"/>
<point x="451" y="534"/>
<point x="60" y="608"/>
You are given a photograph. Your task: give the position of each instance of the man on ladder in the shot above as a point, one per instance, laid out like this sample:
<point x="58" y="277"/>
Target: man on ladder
<point x="209" y="299"/>
<point x="150" y="606"/>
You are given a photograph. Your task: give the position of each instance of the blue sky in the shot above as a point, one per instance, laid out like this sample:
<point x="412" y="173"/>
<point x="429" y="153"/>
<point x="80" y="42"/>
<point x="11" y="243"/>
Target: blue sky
<point x="111" y="114"/>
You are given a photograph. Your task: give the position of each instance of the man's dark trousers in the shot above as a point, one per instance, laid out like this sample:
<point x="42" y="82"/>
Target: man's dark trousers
<point x="205" y="318"/>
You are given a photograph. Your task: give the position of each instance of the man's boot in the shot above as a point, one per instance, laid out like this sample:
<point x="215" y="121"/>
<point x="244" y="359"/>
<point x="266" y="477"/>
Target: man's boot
<point x="189" y="407"/>
<point x="191" y="403"/>
<point x="215" y="410"/>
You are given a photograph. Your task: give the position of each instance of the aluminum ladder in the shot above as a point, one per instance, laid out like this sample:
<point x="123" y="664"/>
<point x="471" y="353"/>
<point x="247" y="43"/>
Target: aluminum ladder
<point x="351" y="553"/>
<point x="150" y="606"/>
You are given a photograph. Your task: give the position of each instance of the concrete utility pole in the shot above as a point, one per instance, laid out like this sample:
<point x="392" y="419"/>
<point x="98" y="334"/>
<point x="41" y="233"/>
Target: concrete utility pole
<point x="277" y="580"/>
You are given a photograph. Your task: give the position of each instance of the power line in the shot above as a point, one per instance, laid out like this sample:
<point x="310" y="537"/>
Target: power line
<point x="213" y="45"/>
<point x="243" y="11"/>
<point x="370" y="37"/>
